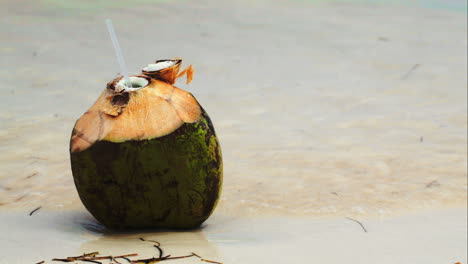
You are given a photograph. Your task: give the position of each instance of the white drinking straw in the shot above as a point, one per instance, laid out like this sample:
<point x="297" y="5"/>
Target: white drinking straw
<point x="118" y="52"/>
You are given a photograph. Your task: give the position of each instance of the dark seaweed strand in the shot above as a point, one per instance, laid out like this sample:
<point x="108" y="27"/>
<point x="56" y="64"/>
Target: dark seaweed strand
<point x="160" y="250"/>
<point x="156" y="246"/>
<point x="211" y="261"/>
<point x="127" y="259"/>
<point x="150" y="260"/>
<point x="63" y="260"/>
<point x="111" y="257"/>
<point x="90" y="260"/>
<point x="33" y="211"/>
<point x="154" y="241"/>
<point x="116" y="261"/>
<point x="206" y="260"/>
<point x="168" y="257"/>
<point x="363" y="228"/>
<point x="188" y="256"/>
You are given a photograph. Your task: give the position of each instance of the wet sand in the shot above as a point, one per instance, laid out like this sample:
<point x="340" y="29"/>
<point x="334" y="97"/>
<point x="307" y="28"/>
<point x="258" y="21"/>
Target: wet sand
<point x="429" y="237"/>
<point x="324" y="110"/>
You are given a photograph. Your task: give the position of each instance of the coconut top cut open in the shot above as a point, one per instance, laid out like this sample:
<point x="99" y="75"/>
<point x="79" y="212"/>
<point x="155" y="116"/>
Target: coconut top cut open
<point x="149" y="107"/>
<point x="160" y="65"/>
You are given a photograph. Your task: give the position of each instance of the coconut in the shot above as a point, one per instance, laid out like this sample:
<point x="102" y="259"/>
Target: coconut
<point x="146" y="155"/>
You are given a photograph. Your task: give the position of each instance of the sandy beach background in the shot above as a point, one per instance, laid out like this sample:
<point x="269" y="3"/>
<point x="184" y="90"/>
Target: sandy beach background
<point x="324" y="109"/>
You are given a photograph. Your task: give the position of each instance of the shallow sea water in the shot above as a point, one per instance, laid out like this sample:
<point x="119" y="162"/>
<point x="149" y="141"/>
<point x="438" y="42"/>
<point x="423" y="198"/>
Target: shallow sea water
<point x="318" y="110"/>
<point x="323" y="109"/>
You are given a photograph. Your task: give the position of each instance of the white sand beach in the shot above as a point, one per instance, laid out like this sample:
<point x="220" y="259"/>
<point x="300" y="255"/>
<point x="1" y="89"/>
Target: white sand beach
<point x="325" y="111"/>
<point x="429" y="237"/>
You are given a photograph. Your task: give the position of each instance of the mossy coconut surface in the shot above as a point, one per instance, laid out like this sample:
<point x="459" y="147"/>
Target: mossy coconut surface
<point x="173" y="181"/>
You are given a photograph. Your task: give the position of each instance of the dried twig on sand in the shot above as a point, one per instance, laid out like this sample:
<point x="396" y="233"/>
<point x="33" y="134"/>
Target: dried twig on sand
<point x="211" y="261"/>
<point x="363" y="228"/>
<point x="154" y="260"/>
<point x="408" y="73"/>
<point x="33" y="211"/>
<point x="93" y="257"/>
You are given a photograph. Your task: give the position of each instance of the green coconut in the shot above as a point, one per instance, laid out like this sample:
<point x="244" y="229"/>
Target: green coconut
<point x="146" y="155"/>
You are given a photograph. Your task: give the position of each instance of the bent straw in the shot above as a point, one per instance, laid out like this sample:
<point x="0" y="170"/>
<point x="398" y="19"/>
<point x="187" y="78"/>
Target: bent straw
<point x="118" y="52"/>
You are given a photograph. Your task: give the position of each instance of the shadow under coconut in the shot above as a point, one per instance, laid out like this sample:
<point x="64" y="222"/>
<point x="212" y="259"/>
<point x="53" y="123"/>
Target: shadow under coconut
<point x="171" y="242"/>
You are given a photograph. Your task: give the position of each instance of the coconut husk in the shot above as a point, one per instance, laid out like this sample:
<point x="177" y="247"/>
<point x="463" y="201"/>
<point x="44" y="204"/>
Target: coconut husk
<point x="122" y="113"/>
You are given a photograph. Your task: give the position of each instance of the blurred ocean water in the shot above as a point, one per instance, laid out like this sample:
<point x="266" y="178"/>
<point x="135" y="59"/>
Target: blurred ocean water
<point x="456" y="5"/>
<point x="322" y="107"/>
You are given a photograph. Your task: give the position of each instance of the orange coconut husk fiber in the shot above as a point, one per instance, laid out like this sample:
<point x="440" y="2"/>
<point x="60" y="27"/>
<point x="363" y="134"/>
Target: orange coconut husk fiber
<point x="153" y="111"/>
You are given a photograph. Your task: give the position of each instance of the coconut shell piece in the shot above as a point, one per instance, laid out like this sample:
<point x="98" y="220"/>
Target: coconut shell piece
<point x="168" y="70"/>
